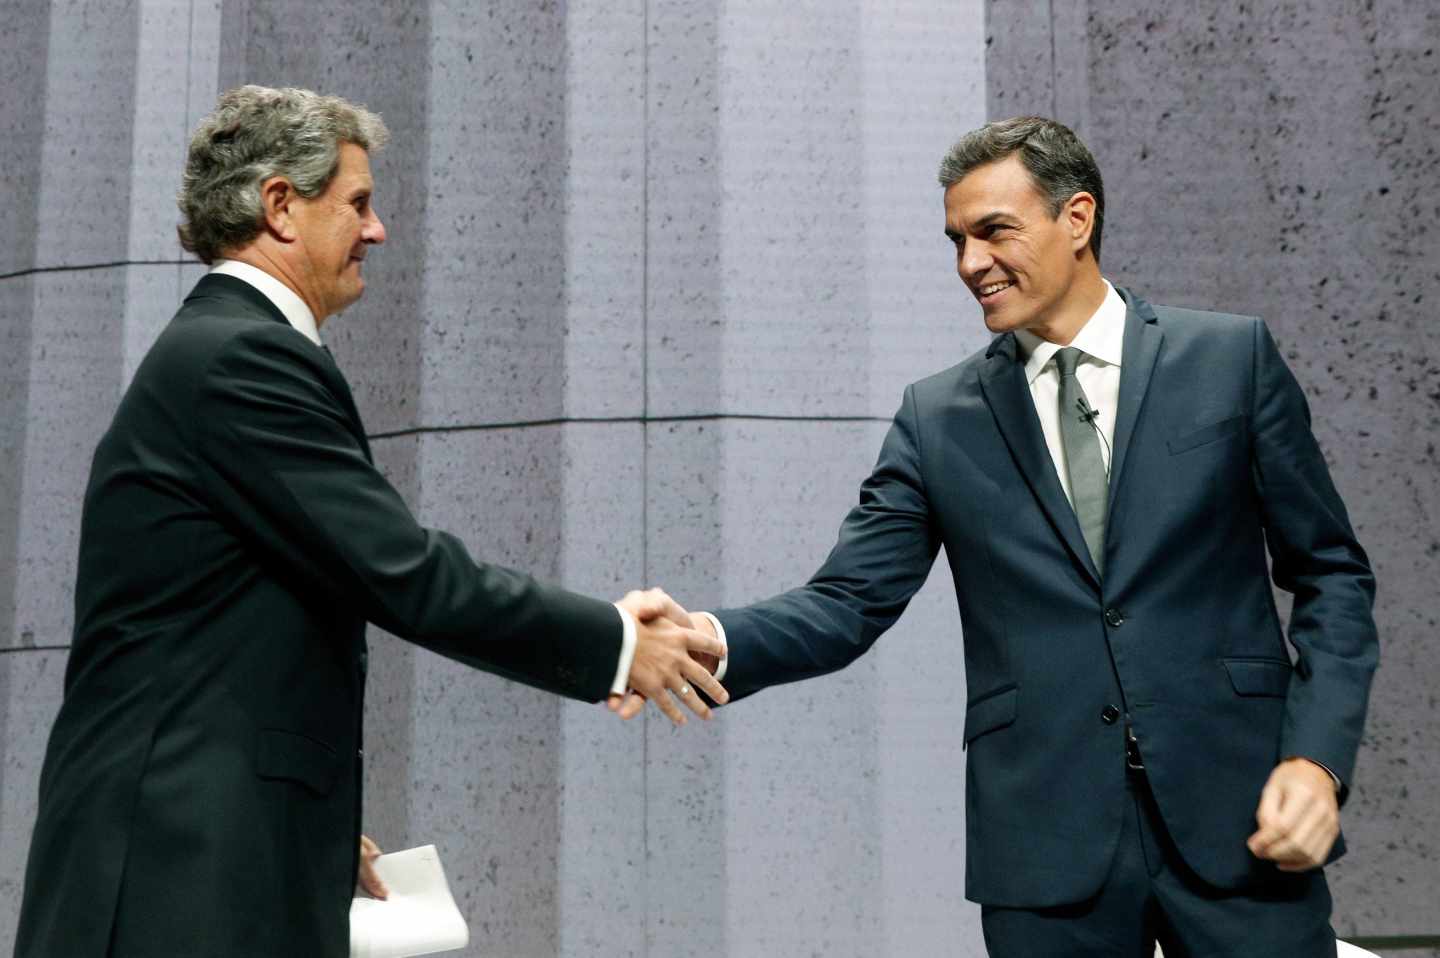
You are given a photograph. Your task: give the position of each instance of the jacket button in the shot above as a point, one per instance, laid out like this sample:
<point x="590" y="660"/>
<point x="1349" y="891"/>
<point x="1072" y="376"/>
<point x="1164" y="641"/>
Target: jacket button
<point x="1113" y="618"/>
<point x="1109" y="714"/>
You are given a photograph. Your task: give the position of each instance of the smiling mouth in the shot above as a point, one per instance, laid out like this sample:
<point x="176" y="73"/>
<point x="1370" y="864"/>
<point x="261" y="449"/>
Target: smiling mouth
<point x="991" y="291"/>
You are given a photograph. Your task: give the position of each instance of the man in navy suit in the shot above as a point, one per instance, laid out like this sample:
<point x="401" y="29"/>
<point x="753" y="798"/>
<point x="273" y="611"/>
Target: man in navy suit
<point x="1146" y="760"/>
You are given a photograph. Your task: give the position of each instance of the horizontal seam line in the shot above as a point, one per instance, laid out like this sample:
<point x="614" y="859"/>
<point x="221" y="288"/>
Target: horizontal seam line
<point x="80" y="267"/>
<point x="32" y="648"/>
<point x="567" y="420"/>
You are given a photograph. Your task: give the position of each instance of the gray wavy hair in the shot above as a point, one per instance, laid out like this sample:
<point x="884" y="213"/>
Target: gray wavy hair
<point x="255" y="133"/>
<point x="1058" y="162"/>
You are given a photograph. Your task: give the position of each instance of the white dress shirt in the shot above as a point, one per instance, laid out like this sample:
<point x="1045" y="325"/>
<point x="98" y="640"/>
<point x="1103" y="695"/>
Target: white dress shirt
<point x="1101" y="339"/>
<point x="298" y="315"/>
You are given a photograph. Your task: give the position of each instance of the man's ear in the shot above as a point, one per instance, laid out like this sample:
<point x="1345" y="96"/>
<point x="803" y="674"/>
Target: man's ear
<point x="277" y="197"/>
<point x="1079" y="218"/>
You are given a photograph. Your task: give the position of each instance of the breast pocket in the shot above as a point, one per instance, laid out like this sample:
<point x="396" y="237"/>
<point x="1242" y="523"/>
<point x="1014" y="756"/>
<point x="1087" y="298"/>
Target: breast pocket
<point x="1204" y="435"/>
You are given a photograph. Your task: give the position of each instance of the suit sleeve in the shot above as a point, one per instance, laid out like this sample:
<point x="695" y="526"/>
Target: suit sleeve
<point x="284" y="468"/>
<point x="886" y="547"/>
<point x="1316" y="557"/>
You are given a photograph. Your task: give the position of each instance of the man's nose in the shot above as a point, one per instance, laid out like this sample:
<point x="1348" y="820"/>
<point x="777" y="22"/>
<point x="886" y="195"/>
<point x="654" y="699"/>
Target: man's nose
<point x="374" y="231"/>
<point x="975" y="259"/>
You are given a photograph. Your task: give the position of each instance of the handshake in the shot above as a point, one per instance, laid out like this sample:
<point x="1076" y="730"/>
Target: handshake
<point x="676" y="657"/>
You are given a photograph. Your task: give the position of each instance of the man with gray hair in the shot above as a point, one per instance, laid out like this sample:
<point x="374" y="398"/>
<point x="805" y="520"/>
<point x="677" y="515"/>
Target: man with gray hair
<point x="200" y="795"/>
<point x="1107" y="476"/>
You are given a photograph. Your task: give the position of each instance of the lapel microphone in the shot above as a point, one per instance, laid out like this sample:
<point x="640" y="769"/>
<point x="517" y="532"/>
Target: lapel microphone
<point x="1088" y="414"/>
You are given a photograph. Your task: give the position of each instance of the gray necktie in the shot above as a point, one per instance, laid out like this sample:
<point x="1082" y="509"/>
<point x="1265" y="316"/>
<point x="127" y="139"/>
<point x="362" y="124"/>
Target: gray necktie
<point x="1089" y="485"/>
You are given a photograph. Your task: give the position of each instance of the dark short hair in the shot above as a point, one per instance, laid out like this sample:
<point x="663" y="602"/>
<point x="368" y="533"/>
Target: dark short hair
<point x="1058" y="162"/>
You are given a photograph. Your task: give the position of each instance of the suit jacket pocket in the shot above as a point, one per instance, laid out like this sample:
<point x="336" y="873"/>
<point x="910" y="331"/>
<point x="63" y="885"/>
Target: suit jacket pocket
<point x="991" y="711"/>
<point x="1205" y="434"/>
<point x="296" y="758"/>
<point x="1259" y="676"/>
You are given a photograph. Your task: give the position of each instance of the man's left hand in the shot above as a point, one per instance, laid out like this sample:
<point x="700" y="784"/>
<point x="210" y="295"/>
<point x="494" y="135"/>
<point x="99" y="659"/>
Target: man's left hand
<point x="1299" y="816"/>
<point x="369" y="881"/>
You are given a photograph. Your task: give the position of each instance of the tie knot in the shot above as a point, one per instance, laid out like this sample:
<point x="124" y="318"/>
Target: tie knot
<point x="1066" y="359"/>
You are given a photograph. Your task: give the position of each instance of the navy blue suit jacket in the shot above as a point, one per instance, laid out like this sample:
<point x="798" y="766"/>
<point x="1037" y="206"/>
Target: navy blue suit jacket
<point x="1214" y="461"/>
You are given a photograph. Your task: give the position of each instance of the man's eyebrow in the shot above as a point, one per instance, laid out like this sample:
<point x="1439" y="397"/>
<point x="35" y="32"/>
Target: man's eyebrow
<point x="991" y="217"/>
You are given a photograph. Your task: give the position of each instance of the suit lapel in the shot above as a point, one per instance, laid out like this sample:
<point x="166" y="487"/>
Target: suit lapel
<point x="229" y="288"/>
<point x="1002" y="380"/>
<point x="1137" y="363"/>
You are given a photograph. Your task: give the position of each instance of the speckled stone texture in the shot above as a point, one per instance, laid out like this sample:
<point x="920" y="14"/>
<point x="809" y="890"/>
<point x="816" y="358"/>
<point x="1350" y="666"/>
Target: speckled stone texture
<point x="30" y="692"/>
<point x="1279" y="160"/>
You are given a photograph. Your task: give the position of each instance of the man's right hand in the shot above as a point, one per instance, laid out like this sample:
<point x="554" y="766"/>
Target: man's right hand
<point x="665" y="649"/>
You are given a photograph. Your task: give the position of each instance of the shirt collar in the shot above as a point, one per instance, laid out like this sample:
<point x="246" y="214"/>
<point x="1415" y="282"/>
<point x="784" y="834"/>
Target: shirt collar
<point x="1102" y="337"/>
<point x="285" y="299"/>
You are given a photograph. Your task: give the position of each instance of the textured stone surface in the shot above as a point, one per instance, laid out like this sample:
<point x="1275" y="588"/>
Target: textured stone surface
<point x="17" y="300"/>
<point x="86" y="154"/>
<point x="31" y="683"/>
<point x="791" y="179"/>
<point x="24" y="49"/>
<point x="158" y="131"/>
<point x="492" y="333"/>
<point x="1278" y="162"/>
<point x="683" y="205"/>
<point x="603" y="767"/>
<point x="73" y="386"/>
<point x="924" y="79"/>
<point x="605" y="186"/>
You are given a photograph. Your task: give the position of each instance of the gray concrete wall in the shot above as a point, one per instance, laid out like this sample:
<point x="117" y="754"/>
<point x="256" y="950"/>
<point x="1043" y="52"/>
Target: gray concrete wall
<point x="1280" y="159"/>
<point x="657" y="272"/>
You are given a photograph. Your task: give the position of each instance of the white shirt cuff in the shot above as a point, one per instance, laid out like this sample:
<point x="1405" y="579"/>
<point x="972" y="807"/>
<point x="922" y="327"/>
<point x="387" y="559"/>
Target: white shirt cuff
<point x="627" y="653"/>
<point x="720" y="634"/>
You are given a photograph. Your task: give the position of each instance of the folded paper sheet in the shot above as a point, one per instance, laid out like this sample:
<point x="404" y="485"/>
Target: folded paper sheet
<point x="419" y="917"/>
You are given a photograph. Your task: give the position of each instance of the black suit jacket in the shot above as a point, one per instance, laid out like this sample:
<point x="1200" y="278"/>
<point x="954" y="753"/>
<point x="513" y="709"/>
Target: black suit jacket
<point x="1213" y="460"/>
<point x="201" y="790"/>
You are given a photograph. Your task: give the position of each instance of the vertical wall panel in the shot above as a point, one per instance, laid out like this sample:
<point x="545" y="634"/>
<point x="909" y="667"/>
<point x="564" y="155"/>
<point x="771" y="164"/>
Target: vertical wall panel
<point x="24" y="49"/>
<point x="923" y="66"/>
<point x="71" y="368"/>
<point x="601" y="879"/>
<point x="604" y="216"/>
<point x="684" y="212"/>
<point x="30" y="691"/>
<point x="494" y="316"/>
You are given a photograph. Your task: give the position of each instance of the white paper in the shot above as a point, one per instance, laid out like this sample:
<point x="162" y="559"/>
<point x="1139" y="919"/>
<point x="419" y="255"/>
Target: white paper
<point x="419" y="917"/>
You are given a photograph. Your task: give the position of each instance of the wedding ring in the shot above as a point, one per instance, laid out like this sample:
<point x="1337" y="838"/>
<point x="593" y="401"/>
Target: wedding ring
<point x="684" y="690"/>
